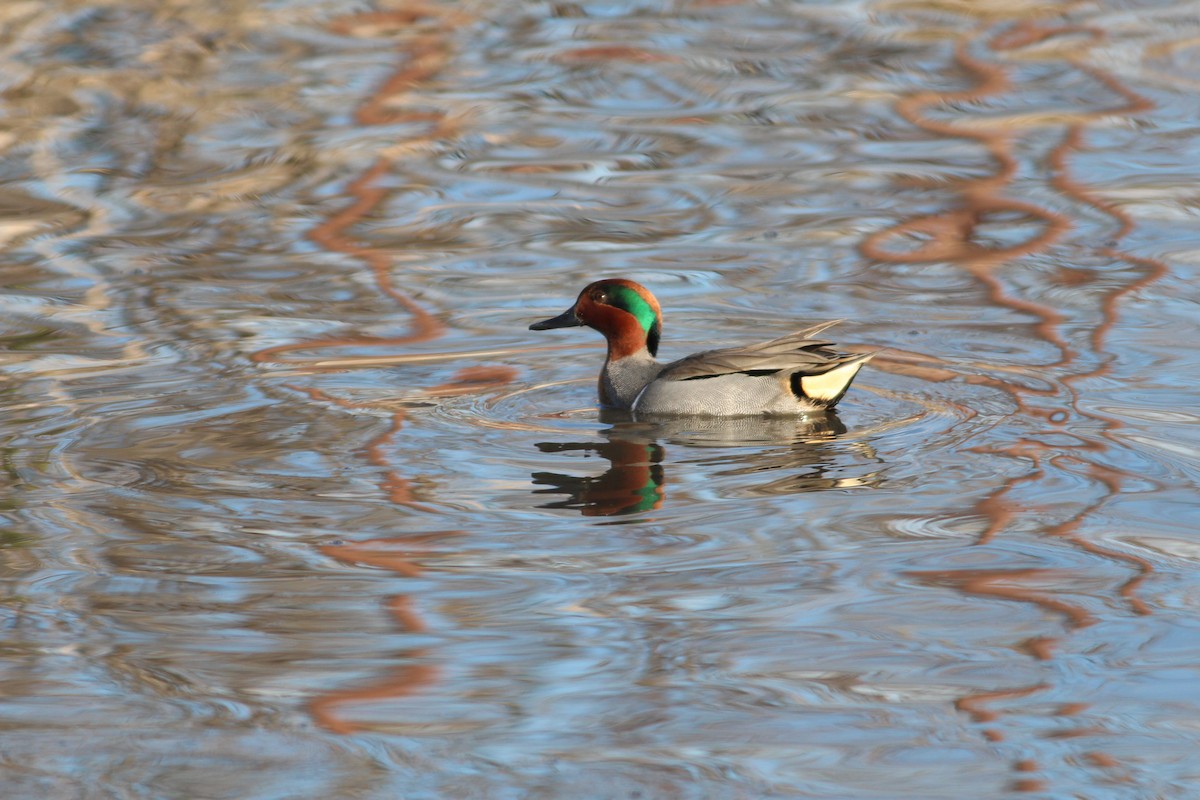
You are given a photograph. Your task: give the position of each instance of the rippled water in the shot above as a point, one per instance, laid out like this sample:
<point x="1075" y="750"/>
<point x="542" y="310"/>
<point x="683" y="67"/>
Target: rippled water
<point x="296" y="506"/>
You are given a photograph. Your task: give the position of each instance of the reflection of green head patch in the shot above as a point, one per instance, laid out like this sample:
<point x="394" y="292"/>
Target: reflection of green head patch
<point x="651" y="494"/>
<point x="627" y="299"/>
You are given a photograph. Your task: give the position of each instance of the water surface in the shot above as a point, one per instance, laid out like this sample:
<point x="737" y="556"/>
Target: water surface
<point x="296" y="506"/>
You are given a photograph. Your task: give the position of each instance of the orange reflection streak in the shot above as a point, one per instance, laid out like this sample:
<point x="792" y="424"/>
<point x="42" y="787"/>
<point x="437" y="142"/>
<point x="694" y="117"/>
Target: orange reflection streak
<point x="976" y="706"/>
<point x="404" y="681"/>
<point x="951" y="236"/>
<point x="1152" y="269"/>
<point x="1006" y="585"/>
<point x="397" y="488"/>
<point x="996" y="508"/>
<point x="394" y="554"/>
<point x="1000" y="513"/>
<point x="332" y="235"/>
<point x="468" y="380"/>
<point x="425" y="54"/>
<point x="611" y="53"/>
<point x="1112" y="480"/>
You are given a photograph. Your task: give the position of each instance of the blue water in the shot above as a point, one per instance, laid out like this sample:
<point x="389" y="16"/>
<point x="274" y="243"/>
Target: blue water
<point x="297" y="506"/>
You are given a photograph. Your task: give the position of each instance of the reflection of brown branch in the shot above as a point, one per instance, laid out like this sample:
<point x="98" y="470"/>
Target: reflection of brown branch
<point x="1027" y="32"/>
<point x="1113" y="481"/>
<point x="975" y="705"/>
<point x="995" y="508"/>
<point x="425" y="56"/>
<point x="394" y="554"/>
<point x="1152" y="269"/>
<point x="950" y="232"/>
<point x="950" y="236"/>
<point x="404" y="681"/>
<point x="611" y="53"/>
<point x="1006" y="585"/>
<point x="1000" y="513"/>
<point x="332" y="236"/>
<point x="397" y="488"/>
<point x="468" y="380"/>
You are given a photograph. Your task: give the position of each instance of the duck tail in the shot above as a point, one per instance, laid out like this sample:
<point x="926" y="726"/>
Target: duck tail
<point x="826" y="388"/>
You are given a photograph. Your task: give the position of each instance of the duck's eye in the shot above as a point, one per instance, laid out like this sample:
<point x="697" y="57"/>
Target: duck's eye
<point x="600" y="296"/>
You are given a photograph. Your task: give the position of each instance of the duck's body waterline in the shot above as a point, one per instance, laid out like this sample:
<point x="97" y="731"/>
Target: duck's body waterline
<point x="789" y="376"/>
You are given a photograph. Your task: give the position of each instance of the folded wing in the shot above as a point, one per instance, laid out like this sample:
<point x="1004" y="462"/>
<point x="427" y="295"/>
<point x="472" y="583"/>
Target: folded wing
<point x="796" y="350"/>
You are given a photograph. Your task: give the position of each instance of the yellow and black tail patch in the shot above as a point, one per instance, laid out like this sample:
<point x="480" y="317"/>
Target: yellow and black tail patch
<point x="826" y="388"/>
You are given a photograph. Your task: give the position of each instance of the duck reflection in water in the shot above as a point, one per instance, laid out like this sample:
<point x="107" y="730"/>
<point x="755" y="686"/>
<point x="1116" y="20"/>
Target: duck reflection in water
<point x="635" y="478"/>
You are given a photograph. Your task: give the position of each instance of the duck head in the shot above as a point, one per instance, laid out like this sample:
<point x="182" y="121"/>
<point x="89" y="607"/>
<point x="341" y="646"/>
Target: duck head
<point x="625" y="312"/>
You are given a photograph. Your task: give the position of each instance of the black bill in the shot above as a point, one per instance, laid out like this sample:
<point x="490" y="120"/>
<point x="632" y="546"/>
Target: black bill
<point x="567" y="319"/>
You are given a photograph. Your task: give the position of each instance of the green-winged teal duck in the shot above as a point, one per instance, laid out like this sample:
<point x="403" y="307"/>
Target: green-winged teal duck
<point x="792" y="375"/>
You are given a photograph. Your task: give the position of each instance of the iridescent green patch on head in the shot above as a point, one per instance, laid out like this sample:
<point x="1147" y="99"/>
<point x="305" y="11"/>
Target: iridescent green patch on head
<point x="630" y="300"/>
